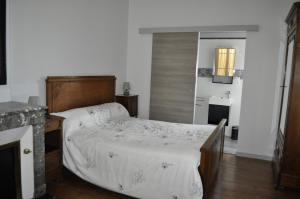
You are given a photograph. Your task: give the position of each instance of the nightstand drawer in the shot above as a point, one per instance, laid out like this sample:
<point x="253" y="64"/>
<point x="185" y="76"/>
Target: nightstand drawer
<point x="52" y="125"/>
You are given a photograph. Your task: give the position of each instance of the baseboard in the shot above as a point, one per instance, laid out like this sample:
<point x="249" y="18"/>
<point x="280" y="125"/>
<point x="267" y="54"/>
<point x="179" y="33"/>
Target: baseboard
<point x="254" y="156"/>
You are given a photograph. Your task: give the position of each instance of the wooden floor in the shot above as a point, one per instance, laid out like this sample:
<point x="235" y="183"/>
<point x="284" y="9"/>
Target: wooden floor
<point x="239" y="178"/>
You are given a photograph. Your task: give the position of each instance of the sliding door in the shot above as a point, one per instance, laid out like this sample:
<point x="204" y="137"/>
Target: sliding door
<point x="173" y="77"/>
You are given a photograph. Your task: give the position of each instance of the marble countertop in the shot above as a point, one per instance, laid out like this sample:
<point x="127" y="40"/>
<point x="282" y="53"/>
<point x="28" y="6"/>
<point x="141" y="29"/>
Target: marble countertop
<point x="16" y="107"/>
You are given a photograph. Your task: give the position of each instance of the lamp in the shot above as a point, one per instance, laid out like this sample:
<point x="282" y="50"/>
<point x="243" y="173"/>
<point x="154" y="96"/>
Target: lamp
<point x="126" y="88"/>
<point x="224" y="61"/>
<point x="34" y="101"/>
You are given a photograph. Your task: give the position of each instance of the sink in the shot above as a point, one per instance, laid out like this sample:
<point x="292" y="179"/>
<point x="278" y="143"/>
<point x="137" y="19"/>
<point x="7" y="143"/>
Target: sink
<point x="223" y="101"/>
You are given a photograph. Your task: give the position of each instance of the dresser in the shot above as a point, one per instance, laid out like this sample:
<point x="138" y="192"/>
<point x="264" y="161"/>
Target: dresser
<point x="286" y="160"/>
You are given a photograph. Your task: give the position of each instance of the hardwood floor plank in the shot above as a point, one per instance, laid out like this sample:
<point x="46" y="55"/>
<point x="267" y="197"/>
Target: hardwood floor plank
<point x="239" y="178"/>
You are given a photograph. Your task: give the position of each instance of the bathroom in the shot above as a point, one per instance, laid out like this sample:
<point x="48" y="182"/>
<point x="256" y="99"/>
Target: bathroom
<point x="219" y="90"/>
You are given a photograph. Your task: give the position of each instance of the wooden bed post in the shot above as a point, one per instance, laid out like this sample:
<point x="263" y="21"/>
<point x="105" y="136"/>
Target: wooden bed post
<point x="211" y="158"/>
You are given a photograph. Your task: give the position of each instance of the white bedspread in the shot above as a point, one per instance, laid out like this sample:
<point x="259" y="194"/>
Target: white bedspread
<point x="141" y="158"/>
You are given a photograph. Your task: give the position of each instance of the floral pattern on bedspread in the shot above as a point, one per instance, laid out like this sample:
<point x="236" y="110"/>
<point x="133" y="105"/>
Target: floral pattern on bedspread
<point x="139" y="156"/>
<point x="166" y="134"/>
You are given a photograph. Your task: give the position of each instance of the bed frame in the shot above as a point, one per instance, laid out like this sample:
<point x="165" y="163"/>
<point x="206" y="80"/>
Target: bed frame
<point x="64" y="93"/>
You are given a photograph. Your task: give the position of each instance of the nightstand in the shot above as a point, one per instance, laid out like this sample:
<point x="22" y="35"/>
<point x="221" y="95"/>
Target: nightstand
<point x="130" y="103"/>
<point x="53" y="148"/>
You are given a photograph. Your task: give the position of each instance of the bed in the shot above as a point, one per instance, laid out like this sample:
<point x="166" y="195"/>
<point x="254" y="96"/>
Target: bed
<point x="135" y="157"/>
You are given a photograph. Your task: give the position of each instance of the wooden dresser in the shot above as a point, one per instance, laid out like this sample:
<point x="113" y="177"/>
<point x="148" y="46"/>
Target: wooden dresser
<point x="286" y="161"/>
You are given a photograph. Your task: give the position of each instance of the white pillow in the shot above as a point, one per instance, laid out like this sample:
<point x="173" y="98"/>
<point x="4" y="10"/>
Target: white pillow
<point x="100" y="113"/>
<point x="117" y="111"/>
<point x="78" y="121"/>
<point x="74" y="112"/>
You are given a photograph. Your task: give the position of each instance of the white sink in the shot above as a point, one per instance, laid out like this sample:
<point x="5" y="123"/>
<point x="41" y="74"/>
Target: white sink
<point x="223" y="101"/>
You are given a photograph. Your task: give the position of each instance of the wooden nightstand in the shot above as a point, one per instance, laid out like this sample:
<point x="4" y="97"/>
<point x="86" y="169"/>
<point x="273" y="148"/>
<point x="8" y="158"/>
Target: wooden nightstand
<point x="53" y="148"/>
<point x="130" y="103"/>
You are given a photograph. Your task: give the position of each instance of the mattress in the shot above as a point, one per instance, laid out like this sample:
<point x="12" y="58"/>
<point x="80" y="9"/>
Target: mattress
<point x="136" y="157"/>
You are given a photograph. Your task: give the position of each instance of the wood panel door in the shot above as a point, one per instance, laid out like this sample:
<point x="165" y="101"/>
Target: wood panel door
<point x="173" y="77"/>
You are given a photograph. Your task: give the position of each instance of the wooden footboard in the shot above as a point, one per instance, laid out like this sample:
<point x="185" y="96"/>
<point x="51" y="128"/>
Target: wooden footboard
<point x="211" y="157"/>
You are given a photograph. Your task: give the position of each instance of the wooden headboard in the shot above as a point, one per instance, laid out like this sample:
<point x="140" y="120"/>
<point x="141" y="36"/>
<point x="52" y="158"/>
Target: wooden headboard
<point x="64" y="93"/>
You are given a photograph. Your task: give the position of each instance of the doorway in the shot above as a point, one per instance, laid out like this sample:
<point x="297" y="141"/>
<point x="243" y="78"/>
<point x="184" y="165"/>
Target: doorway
<point x="219" y="84"/>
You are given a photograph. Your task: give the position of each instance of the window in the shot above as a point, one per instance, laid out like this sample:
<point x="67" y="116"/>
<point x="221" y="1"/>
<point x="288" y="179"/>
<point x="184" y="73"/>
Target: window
<point x="224" y="63"/>
<point x="2" y="42"/>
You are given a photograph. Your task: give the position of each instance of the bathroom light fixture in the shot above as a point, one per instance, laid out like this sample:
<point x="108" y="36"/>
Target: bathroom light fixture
<point x="224" y="61"/>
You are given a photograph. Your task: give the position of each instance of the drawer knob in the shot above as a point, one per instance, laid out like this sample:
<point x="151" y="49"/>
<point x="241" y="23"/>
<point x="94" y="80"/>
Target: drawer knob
<point x="27" y="151"/>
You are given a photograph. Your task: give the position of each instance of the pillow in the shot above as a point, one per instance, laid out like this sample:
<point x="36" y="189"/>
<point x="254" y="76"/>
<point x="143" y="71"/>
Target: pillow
<point x="73" y="112"/>
<point x="99" y="113"/>
<point x="117" y="111"/>
<point x="75" y="122"/>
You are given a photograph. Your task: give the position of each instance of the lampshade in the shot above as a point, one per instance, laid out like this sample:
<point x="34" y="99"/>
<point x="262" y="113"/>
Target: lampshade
<point x="34" y="101"/>
<point x="225" y="61"/>
<point x="126" y="86"/>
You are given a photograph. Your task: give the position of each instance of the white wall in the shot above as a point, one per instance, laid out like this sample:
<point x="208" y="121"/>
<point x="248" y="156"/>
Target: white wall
<point x="79" y="37"/>
<point x="65" y="37"/>
<point x="4" y="93"/>
<point x="261" y="55"/>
